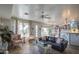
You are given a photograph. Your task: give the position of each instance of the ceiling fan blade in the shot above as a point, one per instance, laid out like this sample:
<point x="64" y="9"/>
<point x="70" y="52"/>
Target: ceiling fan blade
<point x="48" y="17"/>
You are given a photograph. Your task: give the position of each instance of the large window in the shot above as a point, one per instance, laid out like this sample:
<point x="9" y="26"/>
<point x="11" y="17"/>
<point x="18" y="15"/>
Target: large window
<point x="44" y="31"/>
<point x="13" y="22"/>
<point x="23" y="29"/>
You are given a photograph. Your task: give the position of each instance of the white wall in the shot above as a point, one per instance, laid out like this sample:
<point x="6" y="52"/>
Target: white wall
<point x="19" y="10"/>
<point x="5" y="14"/>
<point x="5" y="10"/>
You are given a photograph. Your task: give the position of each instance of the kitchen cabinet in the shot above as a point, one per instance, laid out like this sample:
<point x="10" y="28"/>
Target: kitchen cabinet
<point x="74" y="39"/>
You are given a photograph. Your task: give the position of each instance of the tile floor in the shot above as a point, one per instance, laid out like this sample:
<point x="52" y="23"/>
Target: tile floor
<point x="28" y="48"/>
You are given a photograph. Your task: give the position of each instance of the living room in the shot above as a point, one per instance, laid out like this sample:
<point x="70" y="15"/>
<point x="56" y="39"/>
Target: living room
<point x="39" y="29"/>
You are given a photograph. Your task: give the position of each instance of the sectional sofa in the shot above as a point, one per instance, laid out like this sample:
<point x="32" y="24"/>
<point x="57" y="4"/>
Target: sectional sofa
<point x="56" y="43"/>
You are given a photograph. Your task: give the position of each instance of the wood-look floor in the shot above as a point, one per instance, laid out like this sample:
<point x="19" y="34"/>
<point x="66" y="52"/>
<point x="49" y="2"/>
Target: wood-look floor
<point x="29" y="48"/>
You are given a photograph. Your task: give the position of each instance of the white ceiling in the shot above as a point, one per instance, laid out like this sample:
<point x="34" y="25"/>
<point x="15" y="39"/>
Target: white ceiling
<point x="55" y="11"/>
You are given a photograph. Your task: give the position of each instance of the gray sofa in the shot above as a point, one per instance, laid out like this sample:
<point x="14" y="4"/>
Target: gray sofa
<point x="52" y="41"/>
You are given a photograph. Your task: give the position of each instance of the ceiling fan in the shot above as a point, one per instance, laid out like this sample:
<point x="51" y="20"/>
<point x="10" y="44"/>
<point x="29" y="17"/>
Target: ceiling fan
<point x="45" y="16"/>
<point x="26" y="13"/>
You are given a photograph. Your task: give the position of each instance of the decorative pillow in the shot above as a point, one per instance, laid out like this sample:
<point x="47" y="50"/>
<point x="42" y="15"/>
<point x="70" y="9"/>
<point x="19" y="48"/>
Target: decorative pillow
<point x="44" y="38"/>
<point x="59" y="40"/>
<point x="40" y="38"/>
<point x="52" y="39"/>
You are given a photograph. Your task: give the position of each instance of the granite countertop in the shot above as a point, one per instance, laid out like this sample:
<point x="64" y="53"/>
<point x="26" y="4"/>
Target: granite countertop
<point x="74" y="33"/>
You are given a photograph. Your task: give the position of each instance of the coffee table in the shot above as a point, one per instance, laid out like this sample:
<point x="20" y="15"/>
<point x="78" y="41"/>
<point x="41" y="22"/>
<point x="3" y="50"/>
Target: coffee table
<point x="44" y="48"/>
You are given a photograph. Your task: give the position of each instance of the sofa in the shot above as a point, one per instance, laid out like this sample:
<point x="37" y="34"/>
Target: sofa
<point x="60" y="45"/>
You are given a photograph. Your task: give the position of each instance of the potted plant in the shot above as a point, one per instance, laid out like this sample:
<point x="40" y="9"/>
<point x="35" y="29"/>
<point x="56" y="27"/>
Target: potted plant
<point x="6" y="37"/>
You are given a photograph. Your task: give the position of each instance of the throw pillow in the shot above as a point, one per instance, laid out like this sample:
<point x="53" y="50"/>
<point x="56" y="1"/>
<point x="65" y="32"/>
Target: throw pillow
<point x="59" y="40"/>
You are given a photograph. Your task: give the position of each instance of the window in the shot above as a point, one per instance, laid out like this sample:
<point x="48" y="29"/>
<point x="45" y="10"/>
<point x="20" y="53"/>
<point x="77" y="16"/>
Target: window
<point x="44" y="31"/>
<point x="23" y="29"/>
<point x="36" y="27"/>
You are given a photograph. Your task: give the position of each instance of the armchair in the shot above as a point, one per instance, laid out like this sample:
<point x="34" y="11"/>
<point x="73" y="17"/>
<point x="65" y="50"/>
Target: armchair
<point x="16" y="40"/>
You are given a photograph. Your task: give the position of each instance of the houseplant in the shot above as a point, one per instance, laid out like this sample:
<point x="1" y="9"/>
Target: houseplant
<point x="6" y="36"/>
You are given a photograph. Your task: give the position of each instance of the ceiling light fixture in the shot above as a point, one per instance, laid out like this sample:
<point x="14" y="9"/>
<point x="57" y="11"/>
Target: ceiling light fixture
<point x="26" y="13"/>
